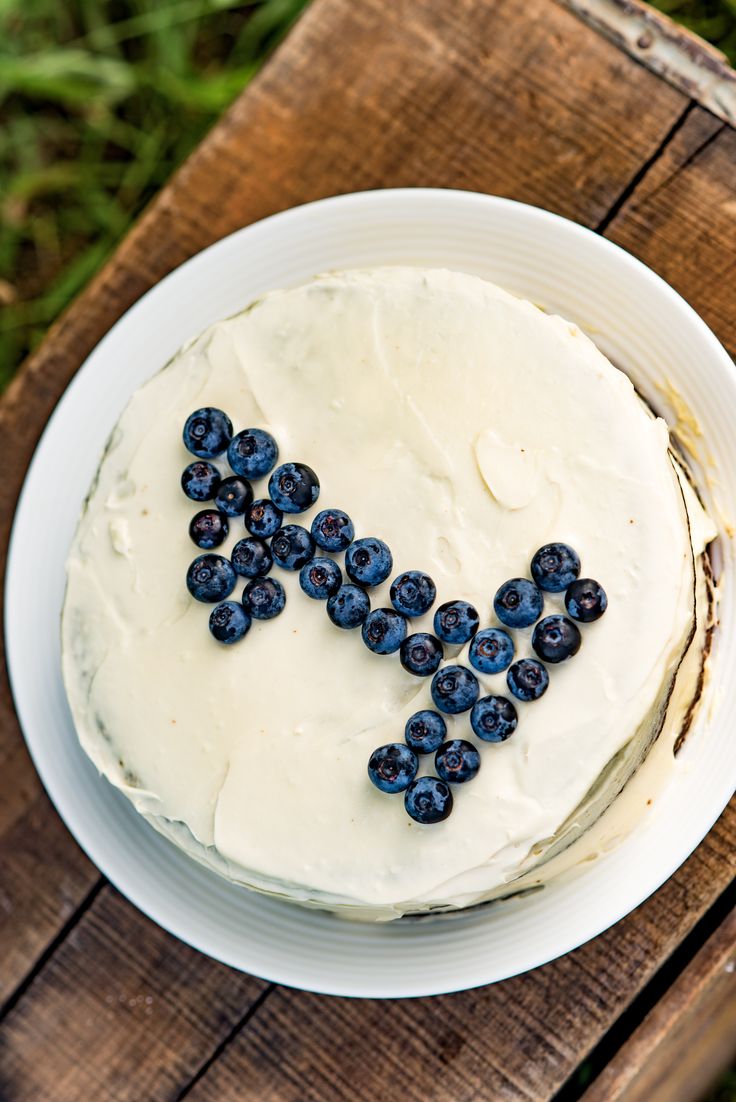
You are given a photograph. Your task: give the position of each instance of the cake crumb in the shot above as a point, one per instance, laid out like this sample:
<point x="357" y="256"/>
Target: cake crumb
<point x="649" y="803"/>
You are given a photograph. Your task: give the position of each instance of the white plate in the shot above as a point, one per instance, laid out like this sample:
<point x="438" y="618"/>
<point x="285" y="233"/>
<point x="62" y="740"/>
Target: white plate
<point x="637" y="319"/>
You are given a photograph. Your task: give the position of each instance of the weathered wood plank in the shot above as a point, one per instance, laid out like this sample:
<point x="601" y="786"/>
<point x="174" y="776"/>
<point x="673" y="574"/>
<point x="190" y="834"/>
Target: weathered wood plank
<point x="519" y="1040"/>
<point x="682" y="220"/>
<point x="667" y="48"/>
<point x="124" y="1011"/>
<point x="88" y="1014"/>
<point x="43" y="878"/>
<point x="516" y="97"/>
<point x="687" y="1040"/>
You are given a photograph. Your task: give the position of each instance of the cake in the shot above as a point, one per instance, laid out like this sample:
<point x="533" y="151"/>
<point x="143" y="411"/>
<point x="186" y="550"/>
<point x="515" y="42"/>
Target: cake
<point x="464" y="429"/>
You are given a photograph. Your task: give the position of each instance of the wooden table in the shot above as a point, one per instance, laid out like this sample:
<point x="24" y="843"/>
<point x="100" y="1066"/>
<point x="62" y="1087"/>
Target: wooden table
<point x="513" y="97"/>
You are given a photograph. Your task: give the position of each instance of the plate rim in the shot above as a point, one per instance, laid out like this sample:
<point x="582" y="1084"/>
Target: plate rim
<point x="150" y="907"/>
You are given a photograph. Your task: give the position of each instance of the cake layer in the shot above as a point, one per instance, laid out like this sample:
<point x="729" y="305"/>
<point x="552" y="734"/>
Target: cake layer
<point x="465" y="428"/>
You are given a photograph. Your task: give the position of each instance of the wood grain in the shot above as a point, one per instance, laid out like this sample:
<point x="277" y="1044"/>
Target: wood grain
<point x="514" y="97"/>
<point x="44" y="876"/>
<point x="682" y="220"/>
<point x="517" y="98"/>
<point x="685" y="1043"/>
<point x="518" y="1040"/>
<point x="513" y="1041"/>
<point x="124" y="1011"/>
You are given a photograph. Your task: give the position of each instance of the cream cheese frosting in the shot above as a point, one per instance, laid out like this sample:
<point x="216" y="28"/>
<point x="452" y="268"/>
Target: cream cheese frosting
<point x="465" y="428"/>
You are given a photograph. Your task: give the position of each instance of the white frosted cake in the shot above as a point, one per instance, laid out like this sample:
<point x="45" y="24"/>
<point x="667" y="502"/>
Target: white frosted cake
<point x="465" y="429"/>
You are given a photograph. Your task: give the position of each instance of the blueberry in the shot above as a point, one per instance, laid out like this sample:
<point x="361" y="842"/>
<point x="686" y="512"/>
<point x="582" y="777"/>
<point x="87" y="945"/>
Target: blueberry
<point x="263" y="519"/>
<point x="251" y="558"/>
<point x="292" y="547"/>
<point x="428" y="800"/>
<point x="413" y="593"/>
<point x="518" y="603"/>
<point x="456" y="622"/>
<point x="425" y="731"/>
<point x="368" y="561"/>
<point x="234" y="495"/>
<point x="527" y="679"/>
<point x="294" y="487"/>
<point x="493" y="718"/>
<point x="392" y="768"/>
<point x="320" y="578"/>
<point x="457" y="761"/>
<point x="208" y="529"/>
<point x="555" y="566"/>
<point x="421" y="653"/>
<point x="207" y="432"/>
<point x="210" y="578"/>
<point x="454" y="689"/>
<point x="348" y="607"/>
<point x="586" y="600"/>
<point x="491" y="651"/>
<point x="333" y="530"/>
<point x="252" y="453"/>
<point x="556" y="638"/>
<point x="229" y="622"/>
<point x="264" y="598"/>
<point x="200" y="480"/>
<point x="384" y="631"/>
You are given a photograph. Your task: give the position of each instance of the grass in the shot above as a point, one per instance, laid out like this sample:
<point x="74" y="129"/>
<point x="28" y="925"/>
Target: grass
<point x="714" y="20"/>
<point x="724" y="1090"/>
<point x="100" y="100"/>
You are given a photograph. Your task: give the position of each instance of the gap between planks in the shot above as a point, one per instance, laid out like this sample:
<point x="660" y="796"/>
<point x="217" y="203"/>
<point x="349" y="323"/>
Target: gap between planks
<point x="643" y="171"/>
<point x="218" y="1050"/>
<point x="45" y="956"/>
